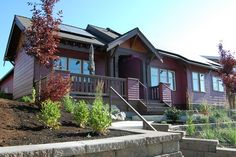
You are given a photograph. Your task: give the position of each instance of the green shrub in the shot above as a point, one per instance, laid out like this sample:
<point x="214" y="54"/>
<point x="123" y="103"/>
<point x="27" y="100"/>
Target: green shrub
<point x="100" y="118"/>
<point x="172" y="114"/>
<point x="69" y="104"/>
<point x="205" y="108"/>
<point x="26" y="99"/>
<point x="230" y="136"/>
<point x="5" y="95"/>
<point x="81" y="113"/>
<point x="50" y="114"/>
<point x="33" y="95"/>
<point x="190" y="126"/>
<point x="208" y="133"/>
<point x="202" y="119"/>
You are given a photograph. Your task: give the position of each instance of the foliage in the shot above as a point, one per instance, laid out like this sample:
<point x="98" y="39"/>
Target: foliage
<point x="205" y="108"/>
<point x="81" y="113"/>
<point x="56" y="87"/>
<point x="230" y="136"/>
<point x="218" y="115"/>
<point x="228" y="63"/>
<point x="41" y="38"/>
<point x="100" y="118"/>
<point x="26" y="99"/>
<point x="202" y="119"/>
<point x="69" y="104"/>
<point x="33" y="95"/>
<point x="172" y="114"/>
<point x="190" y="126"/>
<point x="50" y="114"/>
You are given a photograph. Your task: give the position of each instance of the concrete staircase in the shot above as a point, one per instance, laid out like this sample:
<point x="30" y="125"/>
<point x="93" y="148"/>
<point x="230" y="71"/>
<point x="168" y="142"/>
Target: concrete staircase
<point x="153" y="107"/>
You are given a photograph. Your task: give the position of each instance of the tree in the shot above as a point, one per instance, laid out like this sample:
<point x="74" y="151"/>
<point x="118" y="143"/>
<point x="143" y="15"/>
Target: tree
<point x="228" y="75"/>
<point x="41" y="38"/>
<point x="41" y="42"/>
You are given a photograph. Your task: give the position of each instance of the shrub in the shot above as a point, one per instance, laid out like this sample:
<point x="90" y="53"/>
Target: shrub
<point x="5" y="95"/>
<point x="33" y="95"/>
<point x="50" y="114"/>
<point x="190" y="126"/>
<point x="230" y="136"/>
<point x="202" y="119"/>
<point x="172" y="114"/>
<point x="69" y="104"/>
<point x="25" y="99"/>
<point x="208" y="133"/>
<point x="100" y="118"/>
<point x="81" y="113"/>
<point x="205" y="108"/>
<point x="56" y="88"/>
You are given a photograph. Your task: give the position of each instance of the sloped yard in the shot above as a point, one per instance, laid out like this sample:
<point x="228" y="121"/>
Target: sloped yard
<point x="19" y="126"/>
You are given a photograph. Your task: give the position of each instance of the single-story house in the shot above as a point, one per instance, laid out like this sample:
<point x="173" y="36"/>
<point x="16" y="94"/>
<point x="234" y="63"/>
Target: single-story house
<point x="149" y="78"/>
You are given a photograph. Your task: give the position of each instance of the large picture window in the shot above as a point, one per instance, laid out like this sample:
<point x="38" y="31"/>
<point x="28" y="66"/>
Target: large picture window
<point x="164" y="76"/>
<point x="74" y="65"/>
<point x="198" y="82"/>
<point x="217" y="84"/>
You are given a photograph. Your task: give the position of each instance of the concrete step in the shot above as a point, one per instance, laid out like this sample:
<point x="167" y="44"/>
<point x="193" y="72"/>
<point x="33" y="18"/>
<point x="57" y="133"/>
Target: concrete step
<point x="148" y="117"/>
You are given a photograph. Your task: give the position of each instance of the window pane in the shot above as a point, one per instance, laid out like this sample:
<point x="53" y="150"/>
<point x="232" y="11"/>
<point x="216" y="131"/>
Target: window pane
<point x="195" y="81"/>
<point x="75" y="65"/>
<point x="202" y="82"/>
<point x="61" y="64"/>
<point x="221" y="87"/>
<point x="154" y="76"/>
<point x="85" y="67"/>
<point x="171" y="79"/>
<point x="215" y="83"/>
<point x="163" y="76"/>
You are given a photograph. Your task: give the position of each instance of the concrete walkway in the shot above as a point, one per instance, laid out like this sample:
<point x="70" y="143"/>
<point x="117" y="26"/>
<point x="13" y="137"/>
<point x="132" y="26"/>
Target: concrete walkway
<point x="129" y="124"/>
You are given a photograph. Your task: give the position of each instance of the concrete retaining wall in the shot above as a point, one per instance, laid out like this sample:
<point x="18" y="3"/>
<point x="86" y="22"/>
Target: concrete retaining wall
<point x="145" y="144"/>
<point x="192" y="147"/>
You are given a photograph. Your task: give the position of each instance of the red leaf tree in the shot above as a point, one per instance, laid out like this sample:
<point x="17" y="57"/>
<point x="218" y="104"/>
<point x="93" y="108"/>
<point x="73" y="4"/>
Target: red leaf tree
<point x="228" y="74"/>
<point x="41" y="42"/>
<point x="41" y="38"/>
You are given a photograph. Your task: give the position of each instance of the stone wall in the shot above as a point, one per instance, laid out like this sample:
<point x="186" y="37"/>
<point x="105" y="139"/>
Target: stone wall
<point x="145" y="144"/>
<point x="192" y="147"/>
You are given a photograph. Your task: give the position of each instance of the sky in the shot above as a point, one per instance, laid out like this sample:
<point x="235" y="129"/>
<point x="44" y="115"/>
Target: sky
<point x="186" y="27"/>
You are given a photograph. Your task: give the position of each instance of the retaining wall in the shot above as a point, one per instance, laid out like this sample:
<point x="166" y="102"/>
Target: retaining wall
<point x="145" y="144"/>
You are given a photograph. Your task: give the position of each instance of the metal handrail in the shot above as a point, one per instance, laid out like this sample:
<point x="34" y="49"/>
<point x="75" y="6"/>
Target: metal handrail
<point x="139" y="115"/>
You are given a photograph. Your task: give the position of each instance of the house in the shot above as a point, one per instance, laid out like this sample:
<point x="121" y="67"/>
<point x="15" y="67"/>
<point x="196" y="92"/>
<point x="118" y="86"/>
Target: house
<point x="150" y="79"/>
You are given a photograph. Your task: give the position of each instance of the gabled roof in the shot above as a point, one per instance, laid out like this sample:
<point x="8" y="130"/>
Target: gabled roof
<point x="193" y="59"/>
<point x="8" y="74"/>
<point x="134" y="32"/>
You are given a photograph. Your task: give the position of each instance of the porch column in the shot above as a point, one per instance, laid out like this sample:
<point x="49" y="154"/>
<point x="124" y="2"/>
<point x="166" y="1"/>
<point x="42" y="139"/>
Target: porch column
<point x="144" y="72"/>
<point x="116" y="68"/>
<point x="111" y="66"/>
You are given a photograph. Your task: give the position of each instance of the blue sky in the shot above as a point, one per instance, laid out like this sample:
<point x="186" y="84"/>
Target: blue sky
<point x="182" y="26"/>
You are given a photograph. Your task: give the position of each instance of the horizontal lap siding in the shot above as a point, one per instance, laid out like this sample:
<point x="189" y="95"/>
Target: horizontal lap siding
<point x="23" y="75"/>
<point x="210" y="96"/>
<point x="7" y="85"/>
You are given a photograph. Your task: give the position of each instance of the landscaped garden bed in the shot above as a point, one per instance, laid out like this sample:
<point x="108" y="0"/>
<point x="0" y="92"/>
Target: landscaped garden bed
<point x="19" y="125"/>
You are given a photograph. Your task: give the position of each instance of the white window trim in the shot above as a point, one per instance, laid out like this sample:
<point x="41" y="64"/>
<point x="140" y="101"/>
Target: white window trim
<point x="199" y="82"/>
<point x="218" y="86"/>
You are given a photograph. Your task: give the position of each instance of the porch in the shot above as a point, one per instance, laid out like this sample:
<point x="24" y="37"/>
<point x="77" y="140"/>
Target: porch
<point x="150" y="100"/>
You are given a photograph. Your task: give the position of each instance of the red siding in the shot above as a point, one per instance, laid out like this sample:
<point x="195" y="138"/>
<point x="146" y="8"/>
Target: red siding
<point x="210" y="96"/>
<point x="23" y="75"/>
<point x="179" y="95"/>
<point x="7" y="85"/>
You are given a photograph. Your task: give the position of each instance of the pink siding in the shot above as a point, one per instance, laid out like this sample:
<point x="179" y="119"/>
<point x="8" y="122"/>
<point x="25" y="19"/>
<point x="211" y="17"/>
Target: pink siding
<point x="6" y="86"/>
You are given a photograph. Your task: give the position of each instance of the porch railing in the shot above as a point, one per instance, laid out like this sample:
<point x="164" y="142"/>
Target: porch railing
<point x="85" y="85"/>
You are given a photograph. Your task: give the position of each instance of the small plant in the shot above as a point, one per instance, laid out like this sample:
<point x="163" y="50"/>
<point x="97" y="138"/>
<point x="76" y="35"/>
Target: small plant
<point x="81" y="113"/>
<point x="69" y="104"/>
<point x="205" y="108"/>
<point x="172" y="114"/>
<point x="230" y="136"/>
<point x="50" y="114"/>
<point x="56" y="88"/>
<point x="202" y="119"/>
<point x="208" y="133"/>
<point x="25" y="99"/>
<point x="100" y="118"/>
<point x="190" y="126"/>
<point x="33" y="95"/>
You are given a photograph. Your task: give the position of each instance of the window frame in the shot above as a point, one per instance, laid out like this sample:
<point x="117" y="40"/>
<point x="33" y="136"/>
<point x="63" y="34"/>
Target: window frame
<point x="218" y="84"/>
<point x="167" y="74"/>
<point x="199" y="82"/>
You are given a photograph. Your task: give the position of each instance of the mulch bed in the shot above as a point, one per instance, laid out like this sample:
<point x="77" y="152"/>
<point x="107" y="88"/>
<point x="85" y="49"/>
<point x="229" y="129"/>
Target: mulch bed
<point x="19" y="126"/>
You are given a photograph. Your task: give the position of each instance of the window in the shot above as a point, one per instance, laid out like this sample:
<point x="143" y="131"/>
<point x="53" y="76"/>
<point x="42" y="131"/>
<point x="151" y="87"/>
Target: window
<point x="154" y="76"/>
<point x="75" y="65"/>
<point x="164" y="76"/>
<point x="85" y="67"/>
<point x="61" y="64"/>
<point x="217" y="84"/>
<point x="198" y="82"/>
